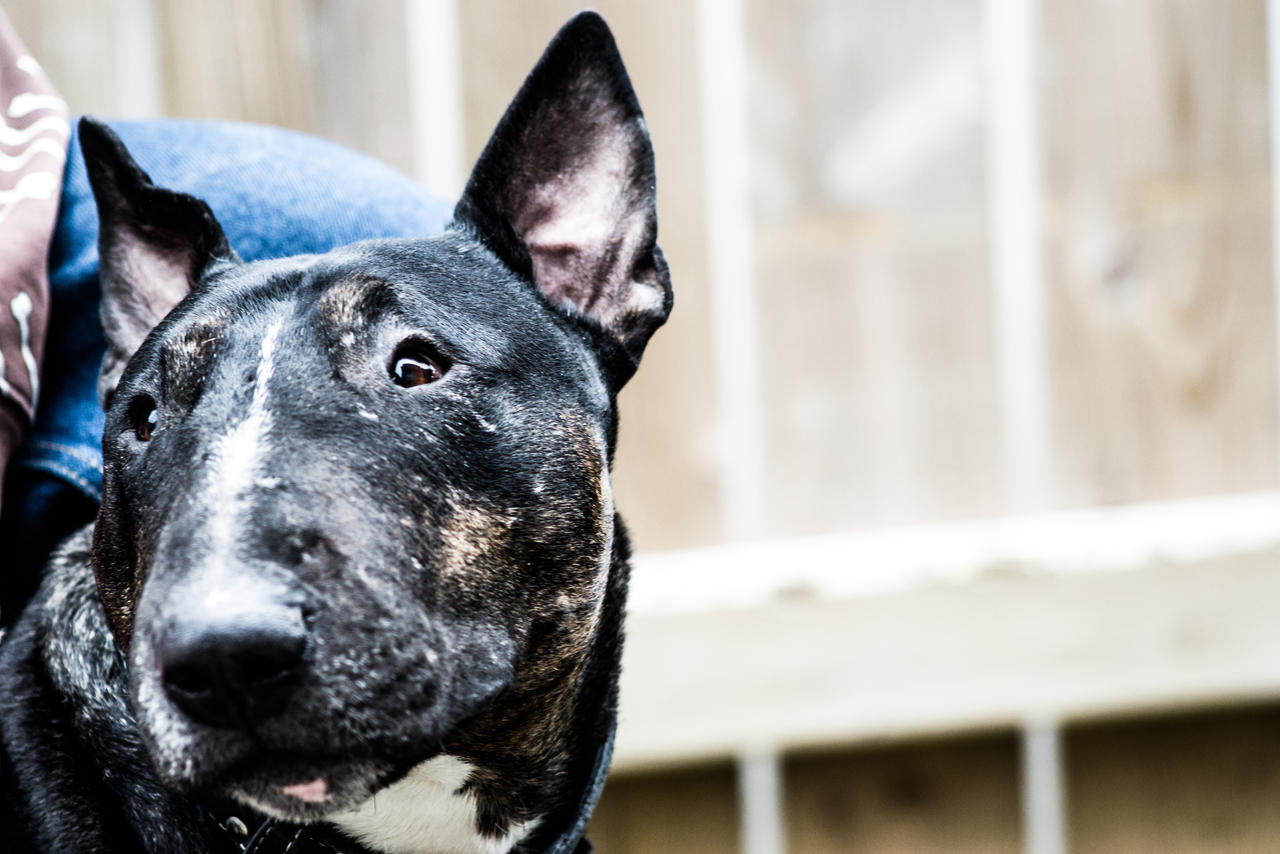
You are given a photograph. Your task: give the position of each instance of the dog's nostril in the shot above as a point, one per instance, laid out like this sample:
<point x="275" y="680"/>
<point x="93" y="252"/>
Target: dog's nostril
<point x="189" y="681"/>
<point x="233" y="671"/>
<point x="258" y="668"/>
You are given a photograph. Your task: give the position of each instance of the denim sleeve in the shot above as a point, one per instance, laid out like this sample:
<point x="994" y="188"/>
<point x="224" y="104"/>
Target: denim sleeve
<point x="275" y="192"/>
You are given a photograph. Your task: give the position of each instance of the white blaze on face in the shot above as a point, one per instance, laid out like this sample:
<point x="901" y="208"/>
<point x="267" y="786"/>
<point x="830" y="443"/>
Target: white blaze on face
<point x="238" y="452"/>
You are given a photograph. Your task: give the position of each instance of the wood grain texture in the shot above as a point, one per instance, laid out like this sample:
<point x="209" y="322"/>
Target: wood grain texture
<point x="951" y="797"/>
<point x="1192" y="784"/>
<point x="356" y="60"/>
<point x="1159" y="263"/>
<point x="235" y="59"/>
<point x="666" y="480"/>
<point x="879" y="376"/>
<point x="691" y="811"/>
<point x="332" y="68"/>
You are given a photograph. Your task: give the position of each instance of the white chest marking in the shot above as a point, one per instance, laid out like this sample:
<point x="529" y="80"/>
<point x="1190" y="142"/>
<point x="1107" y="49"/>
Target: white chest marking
<point x="424" y="813"/>
<point x="236" y="454"/>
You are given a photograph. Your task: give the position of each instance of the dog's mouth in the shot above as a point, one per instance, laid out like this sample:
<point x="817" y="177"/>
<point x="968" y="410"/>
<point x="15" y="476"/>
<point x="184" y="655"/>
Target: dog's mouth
<point x="304" y="789"/>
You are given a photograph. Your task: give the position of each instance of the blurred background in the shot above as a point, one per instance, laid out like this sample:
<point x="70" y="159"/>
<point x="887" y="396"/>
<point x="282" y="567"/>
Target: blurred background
<point x="955" y="476"/>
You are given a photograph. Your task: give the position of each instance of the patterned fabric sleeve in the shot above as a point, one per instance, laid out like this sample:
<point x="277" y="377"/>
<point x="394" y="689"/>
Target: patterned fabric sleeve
<point x="34" y="135"/>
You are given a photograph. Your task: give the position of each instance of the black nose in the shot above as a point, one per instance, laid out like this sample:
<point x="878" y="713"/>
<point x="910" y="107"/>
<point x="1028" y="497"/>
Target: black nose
<point x="234" y="667"/>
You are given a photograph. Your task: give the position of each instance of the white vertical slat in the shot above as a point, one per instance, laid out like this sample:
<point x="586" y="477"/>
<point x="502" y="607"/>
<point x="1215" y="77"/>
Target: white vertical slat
<point x="1017" y="281"/>
<point x="1042" y="788"/>
<point x="137" y="59"/>
<point x="1013" y="199"/>
<point x="1273" y="96"/>
<point x="760" y="802"/>
<point x="722" y="73"/>
<point x="435" y="92"/>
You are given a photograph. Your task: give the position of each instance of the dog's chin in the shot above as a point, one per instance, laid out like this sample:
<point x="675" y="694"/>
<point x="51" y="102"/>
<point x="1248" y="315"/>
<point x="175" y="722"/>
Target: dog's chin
<point x="303" y="790"/>
<point x="291" y="785"/>
<point x="285" y="770"/>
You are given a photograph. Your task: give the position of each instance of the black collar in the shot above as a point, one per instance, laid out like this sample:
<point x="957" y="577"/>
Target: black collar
<point x="245" y="832"/>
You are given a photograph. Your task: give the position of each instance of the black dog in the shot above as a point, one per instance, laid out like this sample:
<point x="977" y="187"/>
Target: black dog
<point x="359" y="581"/>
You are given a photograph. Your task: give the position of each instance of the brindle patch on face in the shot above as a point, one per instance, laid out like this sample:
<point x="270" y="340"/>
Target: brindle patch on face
<point x="348" y="303"/>
<point x="521" y="749"/>
<point x="119" y="583"/>
<point x="471" y="536"/>
<point x="526" y="754"/>
<point x="476" y="537"/>
<point x="186" y="354"/>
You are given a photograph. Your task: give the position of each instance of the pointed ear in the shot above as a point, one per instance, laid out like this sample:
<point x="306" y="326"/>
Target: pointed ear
<point x="153" y="246"/>
<point x="564" y="192"/>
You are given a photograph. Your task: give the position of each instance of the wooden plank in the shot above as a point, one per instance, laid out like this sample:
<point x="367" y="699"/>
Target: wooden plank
<point x="666" y="466"/>
<point x="689" y="810"/>
<point x="841" y="566"/>
<point x="357" y="62"/>
<point x="879" y="382"/>
<point x="199" y="60"/>
<point x="1182" y="785"/>
<point x="1009" y="645"/>
<point x="1163" y="346"/>
<point x="235" y="59"/>
<point x="948" y="797"/>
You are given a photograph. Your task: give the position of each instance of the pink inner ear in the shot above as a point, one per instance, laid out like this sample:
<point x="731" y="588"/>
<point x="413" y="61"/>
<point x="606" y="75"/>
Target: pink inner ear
<point x="582" y="228"/>
<point x="149" y="280"/>
<point x="161" y="278"/>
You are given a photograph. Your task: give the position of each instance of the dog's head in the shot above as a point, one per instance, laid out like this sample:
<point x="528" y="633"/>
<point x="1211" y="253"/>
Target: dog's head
<point x="349" y="499"/>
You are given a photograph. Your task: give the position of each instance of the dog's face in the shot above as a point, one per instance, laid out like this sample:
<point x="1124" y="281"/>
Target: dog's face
<point x="351" y="500"/>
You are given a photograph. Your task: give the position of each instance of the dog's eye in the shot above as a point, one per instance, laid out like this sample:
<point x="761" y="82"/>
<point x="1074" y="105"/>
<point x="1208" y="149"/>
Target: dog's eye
<point x="144" y="417"/>
<point x="416" y="363"/>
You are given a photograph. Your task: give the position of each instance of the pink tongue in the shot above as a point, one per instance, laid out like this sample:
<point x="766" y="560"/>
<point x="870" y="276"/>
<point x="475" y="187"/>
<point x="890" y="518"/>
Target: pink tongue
<point x="315" y="792"/>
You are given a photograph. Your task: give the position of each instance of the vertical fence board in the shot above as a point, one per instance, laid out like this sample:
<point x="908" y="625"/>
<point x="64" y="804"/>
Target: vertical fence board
<point x="690" y="811"/>
<point x="1159" y="261"/>
<point x="879" y="376"/>
<point x="666" y="465"/>
<point x="1183" y="785"/>
<point x="238" y="60"/>
<point x="948" y="797"/>
<point x="357" y="60"/>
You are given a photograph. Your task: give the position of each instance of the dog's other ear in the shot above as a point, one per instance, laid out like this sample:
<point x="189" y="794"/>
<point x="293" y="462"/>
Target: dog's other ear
<point x="564" y="192"/>
<point x="153" y="246"/>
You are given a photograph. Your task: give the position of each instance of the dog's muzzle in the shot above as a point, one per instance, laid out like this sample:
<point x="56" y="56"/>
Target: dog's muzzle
<point x="231" y="660"/>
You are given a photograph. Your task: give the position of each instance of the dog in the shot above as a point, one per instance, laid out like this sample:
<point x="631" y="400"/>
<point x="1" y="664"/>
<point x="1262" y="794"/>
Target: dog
<point x="357" y="582"/>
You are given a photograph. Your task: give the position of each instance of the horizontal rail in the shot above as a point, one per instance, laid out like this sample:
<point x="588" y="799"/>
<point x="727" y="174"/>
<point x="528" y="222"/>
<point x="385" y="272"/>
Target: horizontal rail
<point x="950" y="628"/>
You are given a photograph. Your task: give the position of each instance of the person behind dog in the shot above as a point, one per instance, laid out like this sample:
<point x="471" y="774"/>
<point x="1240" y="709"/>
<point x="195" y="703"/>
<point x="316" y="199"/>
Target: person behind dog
<point x="33" y="150"/>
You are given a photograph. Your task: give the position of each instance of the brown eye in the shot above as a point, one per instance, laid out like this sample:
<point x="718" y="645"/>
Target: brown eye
<point x="416" y="363"/>
<point x="144" y="417"/>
